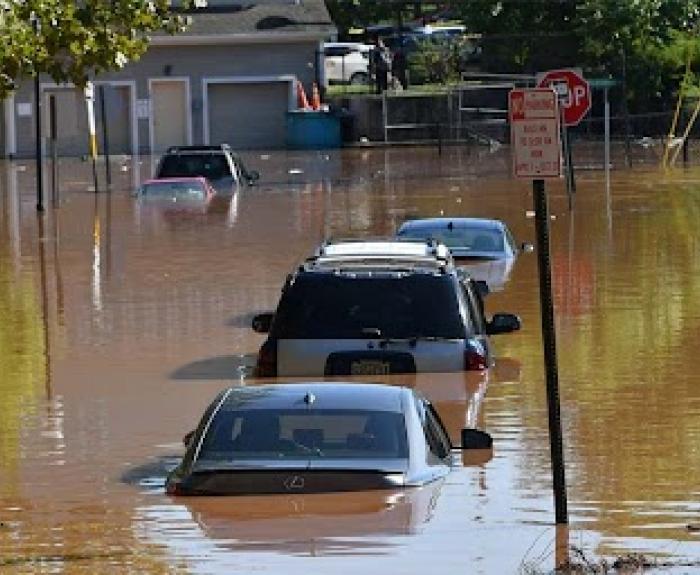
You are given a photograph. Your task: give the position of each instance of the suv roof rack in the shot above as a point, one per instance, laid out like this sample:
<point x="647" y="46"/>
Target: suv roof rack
<point x="218" y="148"/>
<point x="382" y="248"/>
<point x="374" y="266"/>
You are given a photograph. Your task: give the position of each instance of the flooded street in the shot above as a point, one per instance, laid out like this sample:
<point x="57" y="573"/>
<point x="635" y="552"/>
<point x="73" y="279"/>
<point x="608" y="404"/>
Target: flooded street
<point x="119" y="323"/>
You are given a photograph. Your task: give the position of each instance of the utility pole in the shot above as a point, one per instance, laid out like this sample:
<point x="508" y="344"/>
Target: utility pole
<point x="37" y="124"/>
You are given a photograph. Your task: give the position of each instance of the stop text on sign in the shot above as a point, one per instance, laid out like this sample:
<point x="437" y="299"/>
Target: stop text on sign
<point x="574" y="90"/>
<point x="534" y="120"/>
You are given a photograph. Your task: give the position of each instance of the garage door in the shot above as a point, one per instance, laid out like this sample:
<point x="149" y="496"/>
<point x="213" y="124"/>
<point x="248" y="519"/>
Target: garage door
<point x="248" y="115"/>
<point x="3" y="151"/>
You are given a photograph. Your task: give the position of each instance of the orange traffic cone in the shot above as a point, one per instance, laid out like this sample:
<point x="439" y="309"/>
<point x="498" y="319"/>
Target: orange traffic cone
<point x="303" y="103"/>
<point x="315" y="98"/>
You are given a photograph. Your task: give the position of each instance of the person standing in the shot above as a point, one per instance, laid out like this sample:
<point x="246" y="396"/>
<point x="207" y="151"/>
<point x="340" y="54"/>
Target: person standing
<point x="381" y="60"/>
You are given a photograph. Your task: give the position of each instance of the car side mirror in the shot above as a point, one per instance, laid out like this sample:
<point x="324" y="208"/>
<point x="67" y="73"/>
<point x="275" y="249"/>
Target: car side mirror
<point x="262" y="322"/>
<point x="188" y="438"/>
<point x="527" y="248"/>
<point x="253" y="176"/>
<point x="503" y="323"/>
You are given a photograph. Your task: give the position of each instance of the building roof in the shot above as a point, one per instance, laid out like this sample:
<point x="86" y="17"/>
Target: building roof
<point x="254" y="21"/>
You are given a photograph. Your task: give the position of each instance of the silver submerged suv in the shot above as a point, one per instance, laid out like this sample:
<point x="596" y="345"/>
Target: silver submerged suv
<point x="375" y="308"/>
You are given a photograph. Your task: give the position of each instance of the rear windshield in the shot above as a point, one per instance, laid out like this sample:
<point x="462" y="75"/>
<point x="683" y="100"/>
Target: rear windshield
<point x="304" y="434"/>
<point x="323" y="306"/>
<point x="179" y="190"/>
<point x="211" y="166"/>
<point x="478" y="240"/>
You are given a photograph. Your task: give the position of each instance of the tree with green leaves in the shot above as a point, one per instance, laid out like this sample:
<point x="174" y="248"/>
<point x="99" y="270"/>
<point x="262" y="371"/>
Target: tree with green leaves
<point x="72" y="41"/>
<point x="622" y="38"/>
<point x="636" y="39"/>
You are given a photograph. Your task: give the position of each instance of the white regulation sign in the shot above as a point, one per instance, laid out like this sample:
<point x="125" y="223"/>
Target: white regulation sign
<point x="534" y="121"/>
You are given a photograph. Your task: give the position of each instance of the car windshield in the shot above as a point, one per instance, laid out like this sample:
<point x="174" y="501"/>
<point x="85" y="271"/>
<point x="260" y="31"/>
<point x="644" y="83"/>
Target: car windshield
<point x="474" y="239"/>
<point x="211" y="166"/>
<point x="174" y="190"/>
<point x="326" y="306"/>
<point x="260" y="434"/>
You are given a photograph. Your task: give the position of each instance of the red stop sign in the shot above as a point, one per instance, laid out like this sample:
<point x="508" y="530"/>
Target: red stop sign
<point x="577" y="99"/>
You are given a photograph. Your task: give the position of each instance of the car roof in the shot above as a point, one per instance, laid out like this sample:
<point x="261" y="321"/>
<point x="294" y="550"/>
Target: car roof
<point x="336" y="395"/>
<point x="220" y="149"/>
<point x="432" y="223"/>
<point x="358" y="45"/>
<point x="183" y="179"/>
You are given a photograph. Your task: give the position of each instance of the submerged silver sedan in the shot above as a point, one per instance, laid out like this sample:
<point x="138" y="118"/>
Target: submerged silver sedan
<point x="486" y="246"/>
<point x="315" y="437"/>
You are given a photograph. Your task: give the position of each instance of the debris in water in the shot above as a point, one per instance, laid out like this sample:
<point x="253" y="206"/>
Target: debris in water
<point x="295" y="171"/>
<point x="530" y="214"/>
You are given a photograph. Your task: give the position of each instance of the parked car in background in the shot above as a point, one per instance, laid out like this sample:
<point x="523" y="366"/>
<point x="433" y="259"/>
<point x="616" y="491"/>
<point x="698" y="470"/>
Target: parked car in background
<point x="441" y="31"/>
<point x="218" y="164"/>
<point x="378" y="307"/>
<point x="313" y="437"/>
<point x="347" y="62"/>
<point x="486" y="245"/>
<point x="194" y="193"/>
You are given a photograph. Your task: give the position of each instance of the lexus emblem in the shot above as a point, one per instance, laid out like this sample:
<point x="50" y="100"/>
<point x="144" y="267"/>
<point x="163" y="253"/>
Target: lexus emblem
<point x="294" y="482"/>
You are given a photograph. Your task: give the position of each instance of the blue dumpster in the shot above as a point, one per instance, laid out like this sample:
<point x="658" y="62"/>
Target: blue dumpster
<point x="313" y="130"/>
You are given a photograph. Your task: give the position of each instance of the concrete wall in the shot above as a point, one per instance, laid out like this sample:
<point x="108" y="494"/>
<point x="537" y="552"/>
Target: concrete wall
<point x="197" y="63"/>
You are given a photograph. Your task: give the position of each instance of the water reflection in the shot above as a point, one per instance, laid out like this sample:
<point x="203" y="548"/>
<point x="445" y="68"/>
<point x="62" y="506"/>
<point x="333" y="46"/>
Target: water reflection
<point x="315" y="525"/>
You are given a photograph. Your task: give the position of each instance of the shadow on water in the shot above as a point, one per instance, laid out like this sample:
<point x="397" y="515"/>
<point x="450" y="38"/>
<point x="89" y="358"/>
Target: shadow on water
<point x="151" y="475"/>
<point x="244" y="320"/>
<point x="221" y="367"/>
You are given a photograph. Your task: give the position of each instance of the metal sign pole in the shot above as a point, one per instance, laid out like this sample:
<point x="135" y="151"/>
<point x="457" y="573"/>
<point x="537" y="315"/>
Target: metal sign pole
<point x="536" y="141"/>
<point x="606" y="113"/>
<point x="38" y="151"/>
<point x="54" y="149"/>
<point x="105" y="136"/>
<point x="90" y="103"/>
<point x="550" y="351"/>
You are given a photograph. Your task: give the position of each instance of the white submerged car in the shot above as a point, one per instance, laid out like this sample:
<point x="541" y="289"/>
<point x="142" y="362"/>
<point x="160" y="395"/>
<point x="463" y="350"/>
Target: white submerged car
<point x="485" y="245"/>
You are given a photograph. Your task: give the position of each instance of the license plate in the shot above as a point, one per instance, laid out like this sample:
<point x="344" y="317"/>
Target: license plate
<point x="370" y="367"/>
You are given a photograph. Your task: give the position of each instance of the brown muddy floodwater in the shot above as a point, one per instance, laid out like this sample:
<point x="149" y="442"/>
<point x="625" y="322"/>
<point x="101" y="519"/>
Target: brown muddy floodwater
<point x="119" y="323"/>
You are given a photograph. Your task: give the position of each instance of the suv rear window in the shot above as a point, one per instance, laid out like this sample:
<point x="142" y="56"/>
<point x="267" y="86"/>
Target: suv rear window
<point x="210" y="166"/>
<point x="325" y="306"/>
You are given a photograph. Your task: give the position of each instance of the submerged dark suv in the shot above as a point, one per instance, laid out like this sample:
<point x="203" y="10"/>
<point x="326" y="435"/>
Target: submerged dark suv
<point x="218" y="164"/>
<point x="371" y="314"/>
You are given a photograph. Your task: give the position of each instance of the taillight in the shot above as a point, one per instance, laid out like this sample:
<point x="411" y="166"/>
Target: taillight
<point x="475" y="357"/>
<point x="173" y="488"/>
<point x="266" y="365"/>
